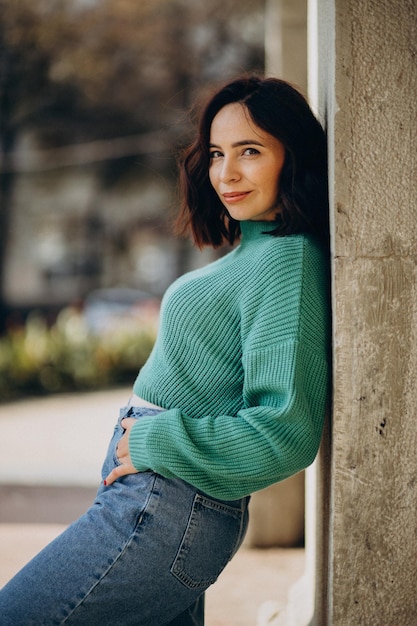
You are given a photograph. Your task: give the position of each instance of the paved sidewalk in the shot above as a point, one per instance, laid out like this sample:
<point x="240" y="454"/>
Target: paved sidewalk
<point x="49" y="471"/>
<point x="57" y="440"/>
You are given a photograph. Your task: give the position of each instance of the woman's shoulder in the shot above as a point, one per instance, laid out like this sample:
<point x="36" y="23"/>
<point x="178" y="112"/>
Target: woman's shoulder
<point x="292" y="251"/>
<point x="302" y="242"/>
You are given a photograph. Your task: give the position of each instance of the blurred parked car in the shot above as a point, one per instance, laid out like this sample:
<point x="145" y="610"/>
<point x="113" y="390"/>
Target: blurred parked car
<point x="113" y="308"/>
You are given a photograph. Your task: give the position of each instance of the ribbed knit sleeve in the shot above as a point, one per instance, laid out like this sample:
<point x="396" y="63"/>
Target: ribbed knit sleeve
<point x="276" y="362"/>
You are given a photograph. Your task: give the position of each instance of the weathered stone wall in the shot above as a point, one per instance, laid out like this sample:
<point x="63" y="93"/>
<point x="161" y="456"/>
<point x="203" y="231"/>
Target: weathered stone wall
<point x="372" y="115"/>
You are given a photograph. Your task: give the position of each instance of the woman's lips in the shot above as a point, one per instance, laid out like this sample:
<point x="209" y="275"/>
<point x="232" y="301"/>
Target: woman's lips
<point x="235" y="196"/>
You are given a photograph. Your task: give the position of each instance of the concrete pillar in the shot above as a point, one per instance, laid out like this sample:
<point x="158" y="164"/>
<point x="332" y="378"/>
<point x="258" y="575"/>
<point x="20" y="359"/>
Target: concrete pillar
<point x="367" y="90"/>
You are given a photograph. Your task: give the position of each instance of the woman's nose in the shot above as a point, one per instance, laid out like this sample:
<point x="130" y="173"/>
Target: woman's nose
<point x="229" y="171"/>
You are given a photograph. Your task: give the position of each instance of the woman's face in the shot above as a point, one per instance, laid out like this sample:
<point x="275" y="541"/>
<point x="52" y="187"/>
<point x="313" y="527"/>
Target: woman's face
<point x="245" y="165"/>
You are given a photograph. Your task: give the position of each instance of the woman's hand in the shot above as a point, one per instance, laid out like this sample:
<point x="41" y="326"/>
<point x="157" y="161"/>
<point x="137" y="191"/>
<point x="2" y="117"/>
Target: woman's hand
<point x="122" y="451"/>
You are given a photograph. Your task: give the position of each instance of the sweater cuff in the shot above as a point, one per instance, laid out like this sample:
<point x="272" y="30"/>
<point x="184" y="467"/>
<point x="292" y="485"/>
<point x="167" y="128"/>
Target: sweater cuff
<point x="137" y="444"/>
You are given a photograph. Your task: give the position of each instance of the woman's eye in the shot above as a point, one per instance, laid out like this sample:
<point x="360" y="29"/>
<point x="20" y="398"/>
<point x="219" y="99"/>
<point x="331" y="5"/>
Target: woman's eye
<point x="251" y="151"/>
<point x="215" y="154"/>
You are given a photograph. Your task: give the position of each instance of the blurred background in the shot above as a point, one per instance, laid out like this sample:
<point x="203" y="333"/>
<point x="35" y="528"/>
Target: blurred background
<point x="94" y="105"/>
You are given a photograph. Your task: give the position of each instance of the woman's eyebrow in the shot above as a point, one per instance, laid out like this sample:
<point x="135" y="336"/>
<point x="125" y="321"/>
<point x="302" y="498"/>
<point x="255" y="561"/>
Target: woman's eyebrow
<point x="243" y="142"/>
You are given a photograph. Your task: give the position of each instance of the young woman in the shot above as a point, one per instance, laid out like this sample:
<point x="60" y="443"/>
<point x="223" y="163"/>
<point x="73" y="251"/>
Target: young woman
<point x="233" y="396"/>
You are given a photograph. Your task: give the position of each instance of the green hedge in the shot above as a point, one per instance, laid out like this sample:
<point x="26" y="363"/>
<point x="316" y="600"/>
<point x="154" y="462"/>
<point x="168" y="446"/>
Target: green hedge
<point x="39" y="359"/>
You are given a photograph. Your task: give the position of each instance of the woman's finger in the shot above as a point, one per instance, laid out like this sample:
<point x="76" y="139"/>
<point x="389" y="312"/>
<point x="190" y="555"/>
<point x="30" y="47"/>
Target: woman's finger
<point x="119" y="472"/>
<point x="127" y="423"/>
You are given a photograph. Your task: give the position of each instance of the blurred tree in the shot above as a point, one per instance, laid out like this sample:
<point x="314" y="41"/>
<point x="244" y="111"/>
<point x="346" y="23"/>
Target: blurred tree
<point x="123" y="71"/>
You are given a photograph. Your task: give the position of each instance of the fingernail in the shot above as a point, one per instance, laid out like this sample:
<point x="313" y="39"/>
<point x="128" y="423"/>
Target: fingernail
<point x="105" y="483"/>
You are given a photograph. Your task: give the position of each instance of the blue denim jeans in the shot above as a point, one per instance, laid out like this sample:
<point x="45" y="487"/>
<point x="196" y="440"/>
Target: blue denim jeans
<point x="143" y="555"/>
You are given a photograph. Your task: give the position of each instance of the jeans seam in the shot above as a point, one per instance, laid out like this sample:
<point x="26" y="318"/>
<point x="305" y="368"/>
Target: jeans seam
<point x="118" y="557"/>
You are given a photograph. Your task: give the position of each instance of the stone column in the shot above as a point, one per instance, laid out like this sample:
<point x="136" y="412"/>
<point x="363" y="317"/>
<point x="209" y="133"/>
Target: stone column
<point x="367" y="87"/>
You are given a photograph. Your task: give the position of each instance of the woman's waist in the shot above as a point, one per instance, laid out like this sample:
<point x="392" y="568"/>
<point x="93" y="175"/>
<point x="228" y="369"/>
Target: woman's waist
<point x="137" y="401"/>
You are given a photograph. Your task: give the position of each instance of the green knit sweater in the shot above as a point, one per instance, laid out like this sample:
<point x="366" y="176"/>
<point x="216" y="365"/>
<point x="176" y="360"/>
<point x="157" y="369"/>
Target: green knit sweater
<point x="241" y="365"/>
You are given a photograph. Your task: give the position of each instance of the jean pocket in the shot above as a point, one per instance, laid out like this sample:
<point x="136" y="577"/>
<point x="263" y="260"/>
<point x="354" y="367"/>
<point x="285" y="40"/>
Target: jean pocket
<point x="214" y="532"/>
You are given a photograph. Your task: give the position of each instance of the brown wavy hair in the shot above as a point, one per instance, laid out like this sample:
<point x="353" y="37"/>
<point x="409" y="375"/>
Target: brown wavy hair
<point x="279" y="109"/>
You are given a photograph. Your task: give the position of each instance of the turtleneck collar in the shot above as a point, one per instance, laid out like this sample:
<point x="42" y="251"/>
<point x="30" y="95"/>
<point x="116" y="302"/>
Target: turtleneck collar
<point x="254" y="230"/>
